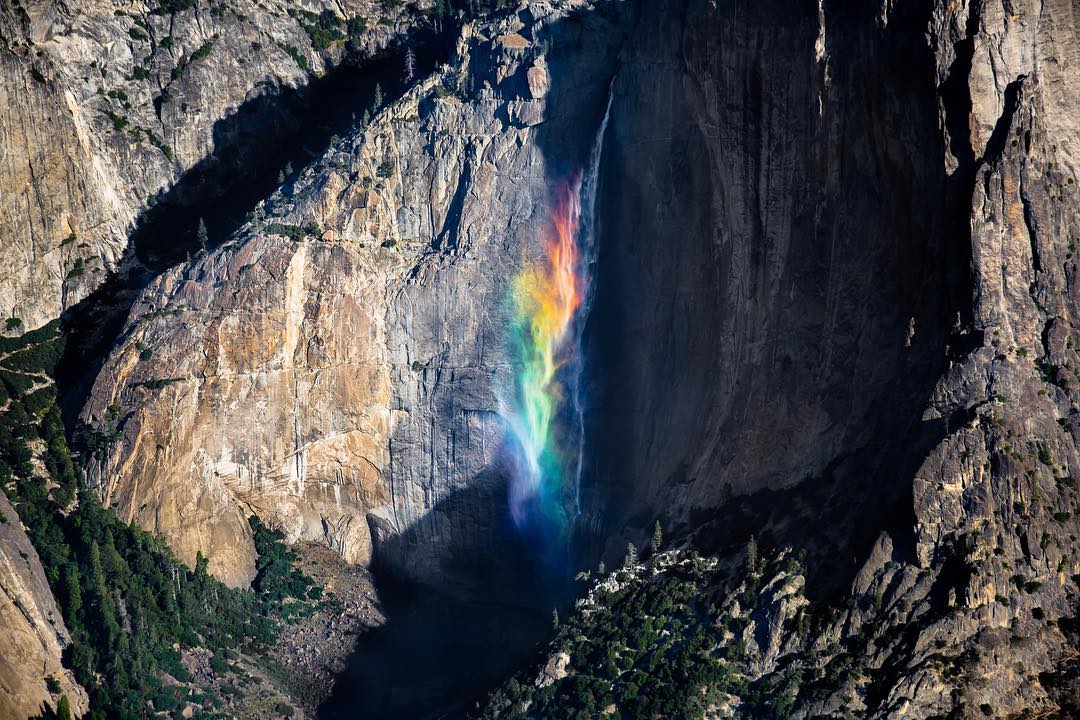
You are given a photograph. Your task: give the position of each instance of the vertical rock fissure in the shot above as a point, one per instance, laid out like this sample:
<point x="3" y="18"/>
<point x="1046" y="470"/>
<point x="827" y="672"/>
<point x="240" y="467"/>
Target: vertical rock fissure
<point x="955" y="94"/>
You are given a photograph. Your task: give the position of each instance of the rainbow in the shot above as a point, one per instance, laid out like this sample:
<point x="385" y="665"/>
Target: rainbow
<point x="546" y="297"/>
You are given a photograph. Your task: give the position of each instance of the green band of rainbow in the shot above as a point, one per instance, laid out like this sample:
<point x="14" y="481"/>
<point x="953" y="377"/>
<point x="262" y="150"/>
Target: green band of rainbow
<point x="547" y="295"/>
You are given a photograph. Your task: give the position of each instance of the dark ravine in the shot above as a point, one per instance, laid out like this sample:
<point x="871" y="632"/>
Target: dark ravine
<point x="436" y="657"/>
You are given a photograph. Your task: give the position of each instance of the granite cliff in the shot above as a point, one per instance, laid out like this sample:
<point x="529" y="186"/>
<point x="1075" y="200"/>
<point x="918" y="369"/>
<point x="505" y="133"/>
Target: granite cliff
<point x="350" y="340"/>
<point x="32" y="675"/>
<point x="106" y="106"/>
<point x="833" y="309"/>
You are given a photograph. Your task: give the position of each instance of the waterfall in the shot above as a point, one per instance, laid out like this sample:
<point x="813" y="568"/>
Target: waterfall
<point x="588" y="248"/>
<point x="549" y="301"/>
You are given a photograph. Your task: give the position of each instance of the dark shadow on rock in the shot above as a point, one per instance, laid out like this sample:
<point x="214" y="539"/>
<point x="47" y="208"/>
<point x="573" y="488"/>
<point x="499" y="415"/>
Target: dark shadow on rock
<point x="468" y="546"/>
<point x="776" y="285"/>
<point x="275" y="134"/>
<point x="435" y="657"/>
<point x="484" y="609"/>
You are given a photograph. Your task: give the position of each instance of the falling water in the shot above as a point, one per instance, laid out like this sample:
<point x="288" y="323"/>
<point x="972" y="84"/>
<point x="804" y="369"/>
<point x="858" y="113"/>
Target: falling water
<point x="588" y="245"/>
<point x="550" y="300"/>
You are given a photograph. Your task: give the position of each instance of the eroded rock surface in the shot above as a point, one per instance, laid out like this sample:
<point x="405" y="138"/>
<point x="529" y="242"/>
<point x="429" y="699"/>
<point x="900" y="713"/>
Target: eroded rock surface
<point x="34" y="632"/>
<point x="334" y="368"/>
<point x="104" y="105"/>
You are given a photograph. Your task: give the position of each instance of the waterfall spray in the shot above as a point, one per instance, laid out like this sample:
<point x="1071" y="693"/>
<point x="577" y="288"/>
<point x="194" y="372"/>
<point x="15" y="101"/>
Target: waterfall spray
<point x="551" y="298"/>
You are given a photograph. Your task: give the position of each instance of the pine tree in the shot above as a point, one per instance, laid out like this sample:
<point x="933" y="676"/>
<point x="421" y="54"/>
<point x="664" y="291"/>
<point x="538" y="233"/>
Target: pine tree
<point x="202" y="236"/>
<point x="63" y="709"/>
<point x="440" y="13"/>
<point x="751" y="556"/>
<point x="105" y="607"/>
<point x="71" y="597"/>
<point x="601" y="568"/>
<point x="555" y="618"/>
<point x="631" y="556"/>
<point x="657" y="539"/>
<point x="378" y="96"/>
<point x="410" y="64"/>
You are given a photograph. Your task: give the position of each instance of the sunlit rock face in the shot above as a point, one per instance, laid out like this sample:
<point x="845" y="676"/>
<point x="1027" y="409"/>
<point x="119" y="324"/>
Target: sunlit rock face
<point x="34" y="631"/>
<point x="105" y="104"/>
<point x="833" y="305"/>
<point x="334" y="368"/>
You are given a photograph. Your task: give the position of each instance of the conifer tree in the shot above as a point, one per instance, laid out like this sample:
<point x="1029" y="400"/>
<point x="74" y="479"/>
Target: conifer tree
<point x="71" y="596"/>
<point x="63" y="709"/>
<point x="410" y="64"/>
<point x="631" y="556"/>
<point x="657" y="539"/>
<point x="202" y="236"/>
<point x="751" y="556"/>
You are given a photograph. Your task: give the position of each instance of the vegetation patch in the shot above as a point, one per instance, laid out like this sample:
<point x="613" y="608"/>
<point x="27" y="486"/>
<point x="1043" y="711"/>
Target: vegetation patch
<point x="132" y="608"/>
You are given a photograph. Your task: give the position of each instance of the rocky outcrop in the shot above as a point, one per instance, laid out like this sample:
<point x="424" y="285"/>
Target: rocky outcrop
<point x="349" y="345"/>
<point x="105" y="105"/>
<point x="34" y="632"/>
<point x="833" y="306"/>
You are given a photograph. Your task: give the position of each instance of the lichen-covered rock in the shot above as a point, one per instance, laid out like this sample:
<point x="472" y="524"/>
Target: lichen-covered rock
<point x="105" y="104"/>
<point x="34" y="632"/>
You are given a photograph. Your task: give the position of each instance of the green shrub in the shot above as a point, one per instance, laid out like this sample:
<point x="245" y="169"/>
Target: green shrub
<point x="202" y="51"/>
<point x="297" y="56"/>
<point x="323" y="29"/>
<point x="293" y="232"/>
<point x="219" y="664"/>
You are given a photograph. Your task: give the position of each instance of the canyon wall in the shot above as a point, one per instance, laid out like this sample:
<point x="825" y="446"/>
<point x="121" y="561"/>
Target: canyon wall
<point x="833" y="307"/>
<point x="349" y="345"/>
<point x="34" y="632"/>
<point x="772" y="301"/>
<point x="105" y="105"/>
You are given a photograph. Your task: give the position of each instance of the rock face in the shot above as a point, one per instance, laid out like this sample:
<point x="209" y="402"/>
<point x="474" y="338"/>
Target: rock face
<point x="350" y="345"/>
<point x="105" y="105"/>
<point x="773" y="284"/>
<point x="34" y="632"/>
<point x="835" y="275"/>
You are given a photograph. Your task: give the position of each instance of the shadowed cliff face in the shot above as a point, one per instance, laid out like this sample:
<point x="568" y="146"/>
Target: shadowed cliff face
<point x="772" y="295"/>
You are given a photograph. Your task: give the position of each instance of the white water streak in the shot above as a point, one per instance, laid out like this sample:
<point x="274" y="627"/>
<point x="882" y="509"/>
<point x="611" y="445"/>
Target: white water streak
<point x="588" y="248"/>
